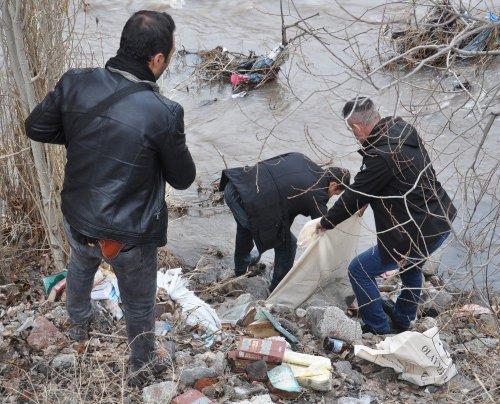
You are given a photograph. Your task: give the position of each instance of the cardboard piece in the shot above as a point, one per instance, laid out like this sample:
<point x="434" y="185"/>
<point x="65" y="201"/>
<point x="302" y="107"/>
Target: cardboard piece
<point x="261" y="329"/>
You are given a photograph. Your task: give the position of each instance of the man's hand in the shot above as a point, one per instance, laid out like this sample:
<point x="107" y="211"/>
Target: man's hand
<point x="319" y="228"/>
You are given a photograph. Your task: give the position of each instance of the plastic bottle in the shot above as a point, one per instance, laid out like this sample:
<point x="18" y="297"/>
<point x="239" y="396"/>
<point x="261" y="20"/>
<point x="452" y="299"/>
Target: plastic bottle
<point x="335" y="345"/>
<point x="266" y="61"/>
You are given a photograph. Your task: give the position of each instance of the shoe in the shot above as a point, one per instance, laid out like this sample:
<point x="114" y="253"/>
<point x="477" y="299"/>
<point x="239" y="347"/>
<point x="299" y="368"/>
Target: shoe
<point x="255" y="270"/>
<point x="164" y="356"/>
<point x="365" y="329"/>
<point x="138" y="378"/>
<point x="80" y="331"/>
<point x="388" y="306"/>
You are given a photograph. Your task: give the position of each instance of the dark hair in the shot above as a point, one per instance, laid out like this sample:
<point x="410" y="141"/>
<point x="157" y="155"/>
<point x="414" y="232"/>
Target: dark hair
<point x="341" y="176"/>
<point x="147" y="33"/>
<point x="358" y="104"/>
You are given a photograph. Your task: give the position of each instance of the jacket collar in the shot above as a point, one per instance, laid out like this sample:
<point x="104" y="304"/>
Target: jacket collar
<point x="377" y="133"/>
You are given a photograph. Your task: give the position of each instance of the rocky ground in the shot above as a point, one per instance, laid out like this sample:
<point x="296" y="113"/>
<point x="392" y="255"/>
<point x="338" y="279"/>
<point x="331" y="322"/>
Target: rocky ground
<point x="39" y="364"/>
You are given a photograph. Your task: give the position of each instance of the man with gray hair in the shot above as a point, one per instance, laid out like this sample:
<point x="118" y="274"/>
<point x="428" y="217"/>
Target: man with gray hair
<point x="412" y="213"/>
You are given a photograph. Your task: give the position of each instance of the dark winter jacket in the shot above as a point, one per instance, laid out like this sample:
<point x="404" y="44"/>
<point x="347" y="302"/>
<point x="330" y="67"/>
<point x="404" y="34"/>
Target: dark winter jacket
<point x="410" y="206"/>
<point x="117" y="166"/>
<point x="275" y="191"/>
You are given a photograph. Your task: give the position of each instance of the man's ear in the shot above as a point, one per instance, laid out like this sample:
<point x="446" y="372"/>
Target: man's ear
<point x="333" y="189"/>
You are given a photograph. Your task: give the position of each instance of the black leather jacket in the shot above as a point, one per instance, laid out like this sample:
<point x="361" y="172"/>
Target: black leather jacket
<point x="117" y="166"/>
<point x="411" y="208"/>
<point x="275" y="191"/>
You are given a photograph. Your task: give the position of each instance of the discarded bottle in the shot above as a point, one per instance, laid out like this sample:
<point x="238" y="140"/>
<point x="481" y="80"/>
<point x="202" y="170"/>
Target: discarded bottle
<point x="335" y="345"/>
<point x="238" y="79"/>
<point x="266" y="61"/>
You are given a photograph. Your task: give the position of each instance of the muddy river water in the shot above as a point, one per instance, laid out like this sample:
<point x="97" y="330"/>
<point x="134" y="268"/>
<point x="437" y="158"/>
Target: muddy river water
<point x="300" y="112"/>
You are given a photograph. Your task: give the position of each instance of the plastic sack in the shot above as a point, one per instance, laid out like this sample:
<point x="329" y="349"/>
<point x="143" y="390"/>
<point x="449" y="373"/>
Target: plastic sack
<point x="420" y="358"/>
<point x="326" y="258"/>
<point x="194" y="309"/>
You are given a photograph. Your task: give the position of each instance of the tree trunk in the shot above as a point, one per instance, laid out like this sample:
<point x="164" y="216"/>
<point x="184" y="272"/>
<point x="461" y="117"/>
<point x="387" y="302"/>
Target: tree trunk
<point x="24" y="84"/>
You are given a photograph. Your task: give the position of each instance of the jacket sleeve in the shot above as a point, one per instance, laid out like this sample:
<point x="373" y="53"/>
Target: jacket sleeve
<point x="177" y="164"/>
<point x="368" y="184"/>
<point x="44" y="124"/>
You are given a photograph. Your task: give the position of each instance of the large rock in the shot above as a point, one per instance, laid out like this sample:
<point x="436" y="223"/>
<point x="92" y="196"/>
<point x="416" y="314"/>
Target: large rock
<point x="159" y="393"/>
<point x="331" y="321"/>
<point x="45" y="334"/>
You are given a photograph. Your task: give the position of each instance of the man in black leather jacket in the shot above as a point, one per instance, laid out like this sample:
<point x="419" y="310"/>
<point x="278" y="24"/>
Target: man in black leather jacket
<point x="117" y="166"/>
<point x="266" y="198"/>
<point x="412" y="213"/>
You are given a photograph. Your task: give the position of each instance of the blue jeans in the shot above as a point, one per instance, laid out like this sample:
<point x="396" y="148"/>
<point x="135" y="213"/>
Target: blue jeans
<point x="135" y="270"/>
<point x="362" y="272"/>
<point x="283" y="255"/>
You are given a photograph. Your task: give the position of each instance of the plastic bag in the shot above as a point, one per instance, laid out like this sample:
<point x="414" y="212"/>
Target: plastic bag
<point x="420" y="358"/>
<point x="194" y="309"/>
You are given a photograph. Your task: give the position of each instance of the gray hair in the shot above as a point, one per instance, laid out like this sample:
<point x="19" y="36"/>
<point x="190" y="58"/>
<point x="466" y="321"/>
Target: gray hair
<point x="361" y="110"/>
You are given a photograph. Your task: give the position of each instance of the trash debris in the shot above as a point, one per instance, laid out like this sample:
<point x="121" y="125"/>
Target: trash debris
<point x="280" y="328"/>
<point x="441" y="26"/>
<point x="310" y="370"/>
<point x="57" y="291"/>
<point x="471" y="309"/>
<point x="50" y="281"/>
<point x="197" y="312"/>
<point x="162" y="328"/>
<point x="241" y="94"/>
<point x="106" y="289"/>
<point x="420" y="358"/>
<point x="243" y="71"/>
<point x="282" y="382"/>
<point x="261" y="349"/>
<point x="334" y="345"/>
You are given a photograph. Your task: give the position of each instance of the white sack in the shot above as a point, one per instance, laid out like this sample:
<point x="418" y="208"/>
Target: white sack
<point x="326" y="257"/>
<point x="420" y="358"/>
<point x="194" y="309"/>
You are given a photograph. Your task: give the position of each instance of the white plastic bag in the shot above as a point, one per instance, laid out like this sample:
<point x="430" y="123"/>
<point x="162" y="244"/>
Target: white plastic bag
<point x="420" y="358"/>
<point x="194" y="309"/>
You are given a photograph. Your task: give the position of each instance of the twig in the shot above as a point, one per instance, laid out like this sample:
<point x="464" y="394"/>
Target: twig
<point x="98" y="334"/>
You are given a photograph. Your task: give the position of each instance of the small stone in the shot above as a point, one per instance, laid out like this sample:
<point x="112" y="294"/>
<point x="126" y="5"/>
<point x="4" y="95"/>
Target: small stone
<point x="257" y="371"/>
<point x="489" y="324"/>
<point x="343" y="367"/>
<point x="424" y="324"/>
<point x="300" y="313"/>
<point x="63" y="361"/>
<point x="219" y="363"/>
<point x="282" y="310"/>
<point x="159" y="393"/>
<point x="45" y="334"/>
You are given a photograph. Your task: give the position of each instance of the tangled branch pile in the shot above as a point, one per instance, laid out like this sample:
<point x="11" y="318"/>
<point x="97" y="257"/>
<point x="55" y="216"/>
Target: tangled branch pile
<point x="443" y="32"/>
<point x="219" y="64"/>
